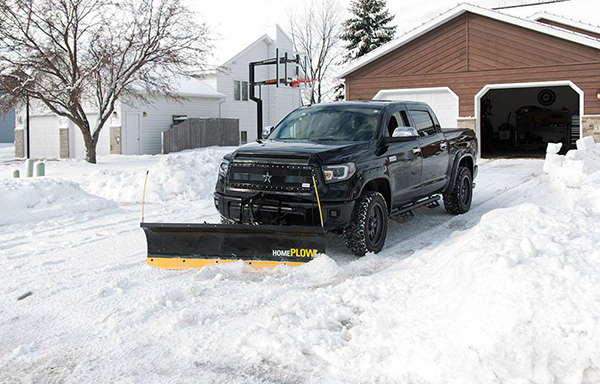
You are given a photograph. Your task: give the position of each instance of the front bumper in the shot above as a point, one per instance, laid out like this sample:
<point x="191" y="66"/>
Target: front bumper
<point x="272" y="209"/>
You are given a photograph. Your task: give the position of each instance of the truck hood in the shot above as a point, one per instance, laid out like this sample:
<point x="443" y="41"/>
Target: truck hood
<point x="321" y="152"/>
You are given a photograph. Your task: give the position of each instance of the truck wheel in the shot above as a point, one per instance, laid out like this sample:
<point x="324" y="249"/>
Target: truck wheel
<point x="368" y="226"/>
<point x="458" y="199"/>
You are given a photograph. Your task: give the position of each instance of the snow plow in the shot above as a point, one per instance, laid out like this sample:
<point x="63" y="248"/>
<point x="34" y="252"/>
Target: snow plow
<point x="184" y="246"/>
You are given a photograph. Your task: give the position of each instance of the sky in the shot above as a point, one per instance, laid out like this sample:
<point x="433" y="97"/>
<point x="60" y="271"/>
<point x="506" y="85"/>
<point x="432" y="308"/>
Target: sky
<point x="237" y="23"/>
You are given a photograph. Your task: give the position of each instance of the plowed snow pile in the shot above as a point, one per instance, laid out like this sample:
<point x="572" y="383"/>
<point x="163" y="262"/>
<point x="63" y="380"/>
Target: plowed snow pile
<point x="182" y="176"/>
<point x="23" y="200"/>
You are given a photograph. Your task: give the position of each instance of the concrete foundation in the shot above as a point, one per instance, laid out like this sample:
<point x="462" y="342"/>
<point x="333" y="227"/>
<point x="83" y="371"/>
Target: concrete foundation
<point x="63" y="142"/>
<point x="115" y="141"/>
<point x="466" y="122"/>
<point x="19" y="143"/>
<point x="591" y="126"/>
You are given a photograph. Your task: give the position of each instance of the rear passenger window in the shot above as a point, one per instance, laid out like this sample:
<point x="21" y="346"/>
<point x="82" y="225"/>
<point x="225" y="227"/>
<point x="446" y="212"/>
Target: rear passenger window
<point x="423" y="122"/>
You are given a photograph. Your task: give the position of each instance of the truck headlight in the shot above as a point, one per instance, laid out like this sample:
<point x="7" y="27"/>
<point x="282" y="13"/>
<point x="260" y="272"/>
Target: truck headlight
<point x="339" y="172"/>
<point x="223" y="167"/>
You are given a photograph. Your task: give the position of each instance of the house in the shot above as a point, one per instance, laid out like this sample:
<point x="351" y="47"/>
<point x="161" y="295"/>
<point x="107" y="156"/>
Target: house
<point x="518" y="82"/>
<point x="137" y="128"/>
<point x="231" y="79"/>
<point x="133" y="129"/>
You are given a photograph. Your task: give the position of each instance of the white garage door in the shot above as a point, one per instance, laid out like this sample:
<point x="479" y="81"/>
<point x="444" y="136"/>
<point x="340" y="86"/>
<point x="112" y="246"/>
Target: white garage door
<point x="443" y="101"/>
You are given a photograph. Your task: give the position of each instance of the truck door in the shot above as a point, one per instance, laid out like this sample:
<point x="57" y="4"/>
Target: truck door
<point x="403" y="160"/>
<point x="434" y="150"/>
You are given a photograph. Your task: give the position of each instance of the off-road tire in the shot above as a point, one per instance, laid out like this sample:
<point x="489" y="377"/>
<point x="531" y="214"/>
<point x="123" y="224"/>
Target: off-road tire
<point x="360" y="235"/>
<point x="458" y="199"/>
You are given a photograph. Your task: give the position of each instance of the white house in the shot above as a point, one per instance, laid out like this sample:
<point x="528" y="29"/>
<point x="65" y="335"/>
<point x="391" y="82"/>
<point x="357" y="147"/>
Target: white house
<point x="133" y="129"/>
<point x="231" y="79"/>
<point x="137" y="129"/>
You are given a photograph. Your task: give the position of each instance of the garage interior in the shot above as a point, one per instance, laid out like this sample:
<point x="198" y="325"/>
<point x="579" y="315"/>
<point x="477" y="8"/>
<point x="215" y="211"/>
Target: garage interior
<point x="520" y="122"/>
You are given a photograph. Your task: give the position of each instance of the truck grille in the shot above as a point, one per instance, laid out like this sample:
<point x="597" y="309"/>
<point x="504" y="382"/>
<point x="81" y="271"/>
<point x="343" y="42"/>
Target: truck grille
<point x="270" y="177"/>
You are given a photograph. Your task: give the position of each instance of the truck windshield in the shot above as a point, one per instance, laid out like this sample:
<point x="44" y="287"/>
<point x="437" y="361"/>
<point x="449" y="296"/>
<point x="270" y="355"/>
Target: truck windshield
<point x="336" y="124"/>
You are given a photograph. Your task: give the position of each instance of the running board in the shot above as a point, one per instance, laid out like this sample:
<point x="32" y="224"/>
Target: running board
<point x="420" y="203"/>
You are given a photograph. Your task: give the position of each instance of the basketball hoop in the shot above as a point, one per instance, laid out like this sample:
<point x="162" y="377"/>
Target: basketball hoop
<point x="297" y="82"/>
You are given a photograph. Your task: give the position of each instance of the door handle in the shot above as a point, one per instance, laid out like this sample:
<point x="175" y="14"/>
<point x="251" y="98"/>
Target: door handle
<point x="443" y="145"/>
<point x="416" y="150"/>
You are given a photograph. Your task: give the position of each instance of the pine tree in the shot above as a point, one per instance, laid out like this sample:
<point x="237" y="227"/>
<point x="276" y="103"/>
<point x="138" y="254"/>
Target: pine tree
<point x="368" y="28"/>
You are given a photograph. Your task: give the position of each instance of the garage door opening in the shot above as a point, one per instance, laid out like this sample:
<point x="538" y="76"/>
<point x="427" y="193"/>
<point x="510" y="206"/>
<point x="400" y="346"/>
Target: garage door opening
<point x="521" y="121"/>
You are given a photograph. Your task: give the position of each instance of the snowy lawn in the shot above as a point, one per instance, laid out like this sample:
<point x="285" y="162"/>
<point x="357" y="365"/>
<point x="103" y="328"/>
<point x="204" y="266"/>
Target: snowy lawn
<point x="507" y="293"/>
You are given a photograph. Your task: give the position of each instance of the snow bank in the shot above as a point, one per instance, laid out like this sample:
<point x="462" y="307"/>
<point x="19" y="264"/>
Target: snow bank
<point x="189" y="175"/>
<point x="25" y="200"/>
<point x="577" y="172"/>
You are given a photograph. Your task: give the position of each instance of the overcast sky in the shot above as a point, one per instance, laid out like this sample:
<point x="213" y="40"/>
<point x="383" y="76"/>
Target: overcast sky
<point x="237" y="23"/>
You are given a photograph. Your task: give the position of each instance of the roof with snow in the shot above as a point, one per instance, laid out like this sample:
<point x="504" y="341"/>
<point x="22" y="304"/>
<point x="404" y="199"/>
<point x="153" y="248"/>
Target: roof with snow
<point x="459" y="10"/>
<point x="188" y="86"/>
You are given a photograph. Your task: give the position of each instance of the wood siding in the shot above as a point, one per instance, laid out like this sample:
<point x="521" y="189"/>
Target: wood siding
<point x="471" y="51"/>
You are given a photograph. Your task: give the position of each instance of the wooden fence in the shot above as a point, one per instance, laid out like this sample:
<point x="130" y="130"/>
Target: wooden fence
<point x="198" y="133"/>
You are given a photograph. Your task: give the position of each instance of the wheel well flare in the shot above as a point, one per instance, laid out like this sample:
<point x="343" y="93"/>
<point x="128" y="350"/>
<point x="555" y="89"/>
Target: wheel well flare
<point x="382" y="186"/>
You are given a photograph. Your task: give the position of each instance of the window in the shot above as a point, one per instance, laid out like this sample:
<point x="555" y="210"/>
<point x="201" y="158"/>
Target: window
<point x="423" y="123"/>
<point x="398" y="119"/>
<point x="245" y="90"/>
<point x="329" y="123"/>
<point x="240" y="90"/>
<point x="244" y="137"/>
<point x="236" y="90"/>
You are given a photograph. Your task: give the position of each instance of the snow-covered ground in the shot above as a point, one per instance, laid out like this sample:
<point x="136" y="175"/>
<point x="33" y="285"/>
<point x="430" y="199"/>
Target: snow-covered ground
<point x="507" y="293"/>
<point x="7" y="151"/>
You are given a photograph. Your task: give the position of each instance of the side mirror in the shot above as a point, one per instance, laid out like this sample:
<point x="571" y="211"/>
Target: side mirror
<point x="267" y="131"/>
<point x="406" y="132"/>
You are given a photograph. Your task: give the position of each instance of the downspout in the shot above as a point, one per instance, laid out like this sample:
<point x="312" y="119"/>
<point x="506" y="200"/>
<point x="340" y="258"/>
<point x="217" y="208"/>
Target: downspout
<point x="27" y="124"/>
<point x="223" y="99"/>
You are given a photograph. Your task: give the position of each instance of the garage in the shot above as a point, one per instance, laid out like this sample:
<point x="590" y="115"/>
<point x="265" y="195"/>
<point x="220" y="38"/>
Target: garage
<point x="442" y="100"/>
<point x="519" y="120"/>
<point x="518" y="82"/>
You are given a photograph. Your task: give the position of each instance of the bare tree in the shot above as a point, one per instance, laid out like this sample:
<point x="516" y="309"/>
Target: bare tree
<point x="79" y="57"/>
<point x="315" y="32"/>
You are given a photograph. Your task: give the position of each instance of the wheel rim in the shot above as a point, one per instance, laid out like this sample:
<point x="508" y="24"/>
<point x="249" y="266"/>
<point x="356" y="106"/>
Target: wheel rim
<point x="465" y="191"/>
<point x="375" y="224"/>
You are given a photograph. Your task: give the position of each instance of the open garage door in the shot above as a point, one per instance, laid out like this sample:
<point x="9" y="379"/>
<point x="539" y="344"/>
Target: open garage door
<point x="442" y="100"/>
<point x="520" y="120"/>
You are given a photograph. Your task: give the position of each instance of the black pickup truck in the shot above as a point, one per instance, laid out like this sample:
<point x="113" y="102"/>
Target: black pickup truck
<point x="348" y="166"/>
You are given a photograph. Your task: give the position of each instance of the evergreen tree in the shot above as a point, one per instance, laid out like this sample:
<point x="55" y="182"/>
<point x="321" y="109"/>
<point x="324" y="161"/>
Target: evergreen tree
<point x="368" y="28"/>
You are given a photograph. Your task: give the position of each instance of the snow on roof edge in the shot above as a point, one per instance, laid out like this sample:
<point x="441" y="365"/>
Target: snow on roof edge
<point x="564" y="20"/>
